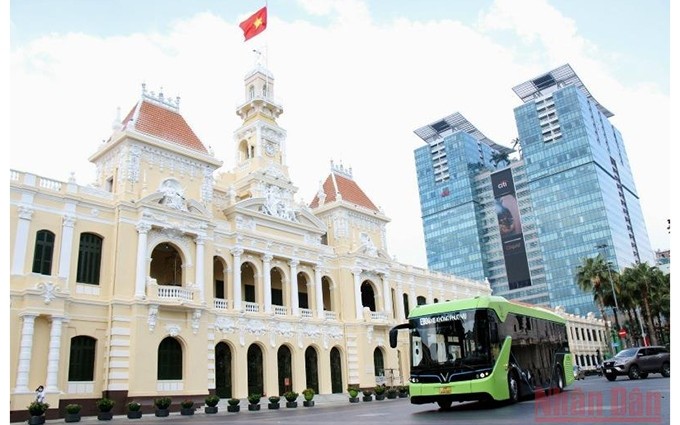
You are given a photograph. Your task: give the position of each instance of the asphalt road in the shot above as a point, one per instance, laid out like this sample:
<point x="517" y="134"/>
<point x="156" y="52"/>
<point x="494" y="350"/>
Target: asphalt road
<point x="591" y="401"/>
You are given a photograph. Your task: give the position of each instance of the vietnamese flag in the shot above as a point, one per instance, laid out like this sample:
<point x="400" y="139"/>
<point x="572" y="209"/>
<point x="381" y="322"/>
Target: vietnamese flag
<point x="255" y="24"/>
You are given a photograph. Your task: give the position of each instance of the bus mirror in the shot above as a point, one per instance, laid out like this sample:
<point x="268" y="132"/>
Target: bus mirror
<point x="394" y="331"/>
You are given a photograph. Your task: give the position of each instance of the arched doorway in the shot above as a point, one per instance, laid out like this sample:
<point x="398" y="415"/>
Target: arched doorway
<point x="367" y="295"/>
<point x="255" y="370"/>
<point x="248" y="282"/>
<point x="378" y="364"/>
<point x="336" y="371"/>
<point x="312" y="369"/>
<point x="166" y="265"/>
<point x="223" y="370"/>
<point x="285" y="365"/>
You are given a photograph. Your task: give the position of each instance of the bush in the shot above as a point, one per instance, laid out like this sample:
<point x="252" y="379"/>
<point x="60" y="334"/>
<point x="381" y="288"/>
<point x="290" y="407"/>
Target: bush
<point x="187" y="404"/>
<point x="234" y="401"/>
<point x="392" y="391"/>
<point x="162" y="402"/>
<point x="274" y="399"/>
<point x="308" y="393"/>
<point x="133" y="406"/>
<point x="290" y="395"/>
<point x="254" y="398"/>
<point x="37" y="408"/>
<point x="367" y="392"/>
<point x="73" y="408"/>
<point x="212" y="400"/>
<point x="403" y="389"/>
<point x="353" y="392"/>
<point x="379" y="389"/>
<point x="105" y="404"/>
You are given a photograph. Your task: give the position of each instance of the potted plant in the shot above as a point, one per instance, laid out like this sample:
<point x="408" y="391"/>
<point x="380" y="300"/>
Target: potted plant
<point x="37" y="411"/>
<point x="233" y="405"/>
<point x="392" y="393"/>
<point x="104" y="405"/>
<point x="187" y="407"/>
<point x="254" y="401"/>
<point x="134" y="410"/>
<point x="403" y="391"/>
<point x="379" y="392"/>
<point x="211" y="403"/>
<point x="274" y="402"/>
<point x="72" y="412"/>
<point x="291" y="398"/>
<point x="162" y="406"/>
<point x="308" y="393"/>
<point x="368" y="394"/>
<point x="353" y="395"/>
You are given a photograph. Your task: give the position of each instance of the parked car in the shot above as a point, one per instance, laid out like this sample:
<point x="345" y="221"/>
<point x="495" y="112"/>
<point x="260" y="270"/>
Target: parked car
<point x="638" y="362"/>
<point x="579" y="373"/>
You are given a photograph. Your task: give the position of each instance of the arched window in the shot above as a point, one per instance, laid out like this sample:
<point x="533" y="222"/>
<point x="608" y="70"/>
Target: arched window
<point x="42" y="254"/>
<point x="89" y="258"/>
<point x="169" y="359"/>
<point x="285" y="362"/>
<point x="368" y="296"/>
<point x="336" y="371"/>
<point x="81" y="359"/>
<point x="378" y="362"/>
<point x="251" y="91"/>
<point x="406" y="309"/>
<point x="255" y="370"/>
<point x="312" y="369"/>
<point x="421" y="300"/>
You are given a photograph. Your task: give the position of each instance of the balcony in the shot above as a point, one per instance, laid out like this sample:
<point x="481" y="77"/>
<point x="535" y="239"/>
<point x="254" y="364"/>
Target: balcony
<point x="280" y="310"/>
<point x="306" y="313"/>
<point x="250" y="307"/>
<point x="171" y="294"/>
<point x="221" y="304"/>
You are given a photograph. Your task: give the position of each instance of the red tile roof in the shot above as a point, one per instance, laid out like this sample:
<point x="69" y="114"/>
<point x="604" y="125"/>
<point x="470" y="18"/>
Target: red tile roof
<point x="163" y="123"/>
<point x="347" y="188"/>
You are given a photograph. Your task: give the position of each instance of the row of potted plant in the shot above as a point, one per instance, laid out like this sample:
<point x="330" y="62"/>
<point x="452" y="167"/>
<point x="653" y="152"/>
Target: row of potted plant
<point x="162" y="404"/>
<point x="380" y="392"/>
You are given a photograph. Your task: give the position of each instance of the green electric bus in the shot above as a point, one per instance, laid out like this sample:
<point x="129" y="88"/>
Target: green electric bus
<point x="485" y="348"/>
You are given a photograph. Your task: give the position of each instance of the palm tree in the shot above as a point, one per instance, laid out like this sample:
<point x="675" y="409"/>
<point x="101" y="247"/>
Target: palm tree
<point x="593" y="276"/>
<point x="644" y="277"/>
<point x="497" y="157"/>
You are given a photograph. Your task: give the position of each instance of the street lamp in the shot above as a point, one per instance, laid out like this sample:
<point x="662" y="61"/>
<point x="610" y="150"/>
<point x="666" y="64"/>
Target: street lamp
<point x="616" y="303"/>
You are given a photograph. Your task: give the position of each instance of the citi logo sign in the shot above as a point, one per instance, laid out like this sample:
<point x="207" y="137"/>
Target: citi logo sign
<point x="503" y="184"/>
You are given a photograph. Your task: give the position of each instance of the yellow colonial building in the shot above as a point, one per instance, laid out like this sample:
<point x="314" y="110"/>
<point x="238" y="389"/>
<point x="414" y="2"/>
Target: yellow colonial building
<point x="169" y="276"/>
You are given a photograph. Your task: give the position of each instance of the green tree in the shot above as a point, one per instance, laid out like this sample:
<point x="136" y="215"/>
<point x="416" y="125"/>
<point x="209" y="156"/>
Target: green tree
<point x="644" y="277"/>
<point x="593" y="275"/>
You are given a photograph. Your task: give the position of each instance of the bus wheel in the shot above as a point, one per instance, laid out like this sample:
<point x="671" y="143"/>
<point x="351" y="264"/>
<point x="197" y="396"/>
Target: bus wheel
<point x="444" y="404"/>
<point x="559" y="380"/>
<point x="513" y="388"/>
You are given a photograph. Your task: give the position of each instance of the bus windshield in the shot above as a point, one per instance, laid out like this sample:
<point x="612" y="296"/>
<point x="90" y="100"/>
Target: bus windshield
<point x="458" y="341"/>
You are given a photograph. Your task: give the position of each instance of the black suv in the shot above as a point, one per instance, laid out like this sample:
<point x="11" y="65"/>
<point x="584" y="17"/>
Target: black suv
<point x="638" y="362"/>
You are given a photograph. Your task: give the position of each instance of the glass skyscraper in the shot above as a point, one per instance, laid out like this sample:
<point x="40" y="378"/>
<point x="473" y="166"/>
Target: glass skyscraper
<point x="526" y="224"/>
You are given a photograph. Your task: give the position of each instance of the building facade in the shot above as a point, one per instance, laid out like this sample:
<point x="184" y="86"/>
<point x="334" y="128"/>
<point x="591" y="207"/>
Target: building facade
<point x="526" y="224"/>
<point x="168" y="276"/>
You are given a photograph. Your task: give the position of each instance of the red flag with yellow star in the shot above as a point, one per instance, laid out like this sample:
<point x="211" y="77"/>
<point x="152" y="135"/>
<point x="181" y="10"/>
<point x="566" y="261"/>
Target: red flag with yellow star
<point x="255" y="24"/>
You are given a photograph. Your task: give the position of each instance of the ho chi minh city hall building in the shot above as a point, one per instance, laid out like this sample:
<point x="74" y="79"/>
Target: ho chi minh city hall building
<point x="167" y="277"/>
<point x="172" y="277"/>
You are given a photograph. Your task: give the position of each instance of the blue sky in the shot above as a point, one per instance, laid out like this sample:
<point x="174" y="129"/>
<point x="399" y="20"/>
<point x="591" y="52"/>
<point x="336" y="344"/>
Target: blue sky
<point x="355" y="77"/>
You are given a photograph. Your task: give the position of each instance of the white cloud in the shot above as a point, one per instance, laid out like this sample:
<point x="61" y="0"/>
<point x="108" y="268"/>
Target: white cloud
<point x="351" y="92"/>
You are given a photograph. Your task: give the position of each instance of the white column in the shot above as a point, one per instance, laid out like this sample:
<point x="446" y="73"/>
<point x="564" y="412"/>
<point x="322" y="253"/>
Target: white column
<point x="236" y="284"/>
<point x="140" y="283"/>
<point x="412" y="299"/>
<point x="319" y="292"/>
<point x="294" y="300"/>
<point x="357" y="293"/>
<point x="53" y="355"/>
<point x="200" y="267"/>
<point x="266" y="265"/>
<point x="430" y="296"/>
<point x="387" y="295"/>
<point x="66" y="249"/>
<point x="25" y="350"/>
<point x="21" y="241"/>
<point x="400" y="302"/>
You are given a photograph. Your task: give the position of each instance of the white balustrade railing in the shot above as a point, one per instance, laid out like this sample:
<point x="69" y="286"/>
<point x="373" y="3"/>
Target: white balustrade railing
<point x="305" y="312"/>
<point x="175" y="292"/>
<point x="221" y="304"/>
<point x="251" y="307"/>
<point x="50" y="184"/>
<point x="378" y="315"/>
<point x="331" y="315"/>
<point x="280" y="310"/>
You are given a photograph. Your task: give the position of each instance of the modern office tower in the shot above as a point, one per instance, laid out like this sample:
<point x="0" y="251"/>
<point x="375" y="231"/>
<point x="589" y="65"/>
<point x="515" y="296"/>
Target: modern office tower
<point x="526" y="224"/>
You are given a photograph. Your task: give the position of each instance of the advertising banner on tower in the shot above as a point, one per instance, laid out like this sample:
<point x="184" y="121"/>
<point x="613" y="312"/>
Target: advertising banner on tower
<point x="510" y="227"/>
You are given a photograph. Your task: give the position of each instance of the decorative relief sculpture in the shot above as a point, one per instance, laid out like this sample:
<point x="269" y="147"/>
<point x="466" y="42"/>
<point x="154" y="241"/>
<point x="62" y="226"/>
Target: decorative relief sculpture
<point x="173" y="195"/>
<point x="153" y="317"/>
<point x="277" y="205"/>
<point x="49" y="291"/>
